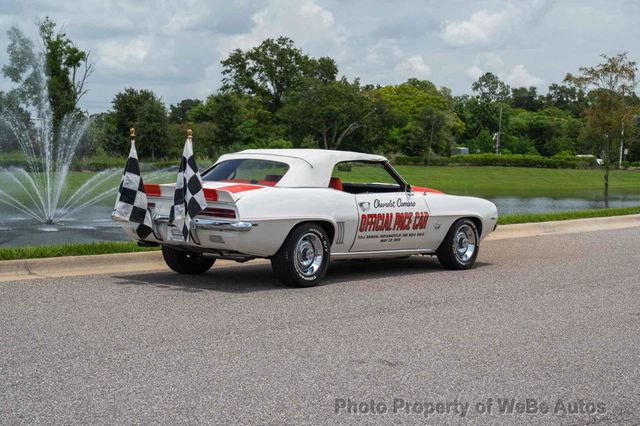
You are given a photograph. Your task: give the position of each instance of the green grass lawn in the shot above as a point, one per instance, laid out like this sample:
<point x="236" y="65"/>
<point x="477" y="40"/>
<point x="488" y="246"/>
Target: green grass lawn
<point x="72" y="249"/>
<point x="568" y="215"/>
<point x="469" y="180"/>
<point x="509" y="181"/>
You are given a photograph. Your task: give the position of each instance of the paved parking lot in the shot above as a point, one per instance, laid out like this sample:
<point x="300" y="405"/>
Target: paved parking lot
<point x="552" y="319"/>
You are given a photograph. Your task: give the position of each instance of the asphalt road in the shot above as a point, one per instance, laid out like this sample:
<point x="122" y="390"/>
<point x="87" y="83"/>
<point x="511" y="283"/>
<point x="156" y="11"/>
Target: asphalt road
<point x="544" y="318"/>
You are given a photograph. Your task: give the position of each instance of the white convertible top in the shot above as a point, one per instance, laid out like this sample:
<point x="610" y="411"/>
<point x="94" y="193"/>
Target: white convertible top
<point x="307" y="167"/>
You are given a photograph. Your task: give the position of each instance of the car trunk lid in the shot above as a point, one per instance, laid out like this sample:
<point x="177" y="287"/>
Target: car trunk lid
<point x="219" y="196"/>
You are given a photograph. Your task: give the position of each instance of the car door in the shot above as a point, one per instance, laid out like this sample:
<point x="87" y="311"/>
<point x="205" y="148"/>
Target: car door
<point x="390" y="221"/>
<point x="389" y="218"/>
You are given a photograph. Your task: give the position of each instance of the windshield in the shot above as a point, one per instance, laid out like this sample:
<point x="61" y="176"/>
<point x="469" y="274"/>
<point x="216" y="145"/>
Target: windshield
<point x="247" y="170"/>
<point x="364" y="172"/>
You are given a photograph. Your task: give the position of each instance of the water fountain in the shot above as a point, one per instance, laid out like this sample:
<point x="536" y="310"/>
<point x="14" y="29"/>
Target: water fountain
<point x="40" y="194"/>
<point x="38" y="190"/>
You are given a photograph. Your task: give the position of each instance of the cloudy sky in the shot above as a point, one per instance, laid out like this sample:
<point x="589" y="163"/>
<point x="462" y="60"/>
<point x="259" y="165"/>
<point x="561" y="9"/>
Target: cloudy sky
<point x="175" y="47"/>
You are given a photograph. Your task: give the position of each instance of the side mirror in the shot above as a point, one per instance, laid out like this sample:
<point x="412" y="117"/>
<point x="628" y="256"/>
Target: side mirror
<point x="408" y="189"/>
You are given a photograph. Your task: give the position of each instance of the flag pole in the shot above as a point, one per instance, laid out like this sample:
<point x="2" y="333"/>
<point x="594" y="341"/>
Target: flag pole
<point x="190" y="134"/>
<point x="132" y="134"/>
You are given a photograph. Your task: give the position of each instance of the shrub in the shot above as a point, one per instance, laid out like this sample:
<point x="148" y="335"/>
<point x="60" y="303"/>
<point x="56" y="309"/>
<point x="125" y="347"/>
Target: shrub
<point x="505" y="160"/>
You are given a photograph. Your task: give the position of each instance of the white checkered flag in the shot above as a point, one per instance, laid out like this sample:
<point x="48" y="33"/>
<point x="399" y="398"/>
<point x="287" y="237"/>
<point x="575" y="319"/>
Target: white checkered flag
<point x="131" y="204"/>
<point x="188" y="198"/>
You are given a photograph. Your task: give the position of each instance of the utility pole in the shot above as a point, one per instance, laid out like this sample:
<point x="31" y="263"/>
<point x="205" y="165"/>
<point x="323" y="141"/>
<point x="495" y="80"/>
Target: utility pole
<point x="499" y="131"/>
<point x="621" y="145"/>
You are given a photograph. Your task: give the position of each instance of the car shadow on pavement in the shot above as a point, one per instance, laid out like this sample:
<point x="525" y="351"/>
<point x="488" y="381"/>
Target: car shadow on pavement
<point x="259" y="277"/>
<point x="360" y="270"/>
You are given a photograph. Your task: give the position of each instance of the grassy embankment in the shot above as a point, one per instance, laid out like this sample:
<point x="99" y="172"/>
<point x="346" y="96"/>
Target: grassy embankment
<point x="481" y="181"/>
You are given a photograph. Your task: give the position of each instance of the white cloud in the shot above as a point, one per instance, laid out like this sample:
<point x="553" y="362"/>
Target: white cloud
<point x="484" y="26"/>
<point x="383" y="51"/>
<point x="520" y="77"/>
<point x="175" y="48"/>
<point x="474" y="72"/>
<point x="413" y="66"/>
<point x="480" y="29"/>
<point x="122" y="55"/>
<point x="387" y="63"/>
<point x="309" y="25"/>
<point x="492" y="61"/>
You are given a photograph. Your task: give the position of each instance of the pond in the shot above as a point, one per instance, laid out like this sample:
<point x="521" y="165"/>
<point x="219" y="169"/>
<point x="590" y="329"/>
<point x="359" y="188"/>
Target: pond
<point x="94" y="223"/>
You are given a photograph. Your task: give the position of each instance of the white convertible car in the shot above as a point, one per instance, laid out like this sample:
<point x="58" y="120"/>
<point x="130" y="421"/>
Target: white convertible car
<point x="302" y="207"/>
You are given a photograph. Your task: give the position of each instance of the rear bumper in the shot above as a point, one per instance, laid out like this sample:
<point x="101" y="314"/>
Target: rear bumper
<point x="211" y="224"/>
<point x="206" y="233"/>
<point x="220" y="237"/>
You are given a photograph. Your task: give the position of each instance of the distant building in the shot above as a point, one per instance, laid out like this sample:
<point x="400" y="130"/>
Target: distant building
<point x="599" y="161"/>
<point x="460" y="150"/>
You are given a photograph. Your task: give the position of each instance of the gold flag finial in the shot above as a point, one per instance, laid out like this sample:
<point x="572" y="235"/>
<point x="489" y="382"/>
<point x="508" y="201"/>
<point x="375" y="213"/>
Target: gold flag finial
<point x="132" y="133"/>
<point x="189" y="134"/>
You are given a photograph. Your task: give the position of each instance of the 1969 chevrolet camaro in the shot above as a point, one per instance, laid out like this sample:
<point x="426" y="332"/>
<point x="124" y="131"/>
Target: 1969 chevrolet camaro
<point x="302" y="207"/>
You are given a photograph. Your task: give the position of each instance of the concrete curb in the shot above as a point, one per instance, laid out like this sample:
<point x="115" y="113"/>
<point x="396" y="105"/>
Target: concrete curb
<point x="564" y="227"/>
<point x="80" y="265"/>
<point x="152" y="261"/>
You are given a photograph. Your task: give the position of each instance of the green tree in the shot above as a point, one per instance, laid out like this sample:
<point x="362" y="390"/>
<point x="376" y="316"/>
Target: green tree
<point x="92" y="143"/>
<point x="269" y="71"/>
<point x="492" y="108"/>
<point x="67" y="69"/>
<point x="411" y="98"/>
<point x="481" y="142"/>
<point x="567" y="98"/>
<point x="178" y="113"/>
<point x="525" y="98"/>
<point x="418" y="103"/>
<point x="236" y="119"/>
<point x="329" y="111"/>
<point x="151" y="127"/>
<point x="23" y="68"/>
<point x="10" y="109"/>
<point x="410" y="139"/>
<point x="131" y="108"/>
<point x="550" y="131"/>
<point x="489" y="88"/>
<point x="376" y="135"/>
<point x="609" y="84"/>
<point x="440" y="128"/>
<point x="478" y="115"/>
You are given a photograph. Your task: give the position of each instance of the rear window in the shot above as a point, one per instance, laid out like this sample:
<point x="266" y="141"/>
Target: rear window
<point x="247" y="170"/>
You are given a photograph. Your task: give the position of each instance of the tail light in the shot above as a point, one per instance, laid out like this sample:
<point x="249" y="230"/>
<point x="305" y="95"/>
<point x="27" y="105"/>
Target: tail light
<point x="152" y="190"/>
<point x="218" y="212"/>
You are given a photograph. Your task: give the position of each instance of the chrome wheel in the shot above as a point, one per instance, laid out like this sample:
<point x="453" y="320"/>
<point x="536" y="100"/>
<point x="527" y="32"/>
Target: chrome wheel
<point x="465" y="243"/>
<point x="309" y="254"/>
<point x="303" y="259"/>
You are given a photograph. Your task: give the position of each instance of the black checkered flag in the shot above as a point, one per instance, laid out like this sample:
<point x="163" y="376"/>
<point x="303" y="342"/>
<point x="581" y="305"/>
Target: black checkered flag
<point x="131" y="205"/>
<point x="188" y="198"/>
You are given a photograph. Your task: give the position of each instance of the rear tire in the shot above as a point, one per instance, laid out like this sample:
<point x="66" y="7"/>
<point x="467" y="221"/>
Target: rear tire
<point x="303" y="259"/>
<point x="459" y="250"/>
<point x="184" y="262"/>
